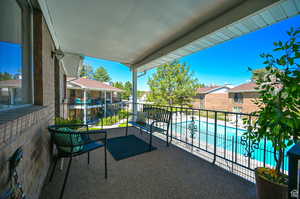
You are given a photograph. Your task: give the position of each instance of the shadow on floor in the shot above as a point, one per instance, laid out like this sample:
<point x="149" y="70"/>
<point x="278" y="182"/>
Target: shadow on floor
<point x="165" y="173"/>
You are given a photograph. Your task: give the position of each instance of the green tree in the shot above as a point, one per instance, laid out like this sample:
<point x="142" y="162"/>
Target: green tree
<point x="127" y="90"/>
<point x="172" y="84"/>
<point x="5" y="76"/>
<point x="87" y="72"/>
<point x="102" y="75"/>
<point x="279" y="114"/>
<point x="258" y="74"/>
<point x="118" y="85"/>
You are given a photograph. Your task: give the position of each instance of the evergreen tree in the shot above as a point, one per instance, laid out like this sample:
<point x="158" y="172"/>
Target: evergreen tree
<point x="102" y="75"/>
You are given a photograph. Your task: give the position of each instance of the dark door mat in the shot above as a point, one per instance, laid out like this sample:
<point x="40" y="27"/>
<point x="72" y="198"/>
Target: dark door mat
<point x="127" y="146"/>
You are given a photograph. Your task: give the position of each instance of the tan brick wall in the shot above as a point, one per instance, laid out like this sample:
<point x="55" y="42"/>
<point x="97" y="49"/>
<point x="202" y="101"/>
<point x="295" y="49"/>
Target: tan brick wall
<point x="216" y="101"/>
<point x="248" y="105"/>
<point x="29" y="130"/>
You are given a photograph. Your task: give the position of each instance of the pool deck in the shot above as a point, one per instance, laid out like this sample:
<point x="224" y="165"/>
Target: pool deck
<point x="165" y="173"/>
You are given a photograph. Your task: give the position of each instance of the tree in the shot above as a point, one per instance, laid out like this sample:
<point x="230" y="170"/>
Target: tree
<point x="5" y="76"/>
<point x="200" y="85"/>
<point x="258" y="74"/>
<point x="279" y="105"/>
<point x="118" y="85"/>
<point x="172" y="84"/>
<point x="87" y="72"/>
<point x="127" y="89"/>
<point x="102" y="75"/>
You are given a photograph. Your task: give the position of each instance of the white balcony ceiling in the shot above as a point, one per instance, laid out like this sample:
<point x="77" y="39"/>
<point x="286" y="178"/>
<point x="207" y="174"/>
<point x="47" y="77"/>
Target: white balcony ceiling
<point x="147" y="33"/>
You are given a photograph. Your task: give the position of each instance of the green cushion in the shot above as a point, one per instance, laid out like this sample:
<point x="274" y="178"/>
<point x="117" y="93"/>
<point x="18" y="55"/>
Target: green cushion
<point x="65" y="139"/>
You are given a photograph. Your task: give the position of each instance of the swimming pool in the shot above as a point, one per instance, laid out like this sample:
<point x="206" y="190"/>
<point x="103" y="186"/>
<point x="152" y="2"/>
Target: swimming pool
<point x="229" y="139"/>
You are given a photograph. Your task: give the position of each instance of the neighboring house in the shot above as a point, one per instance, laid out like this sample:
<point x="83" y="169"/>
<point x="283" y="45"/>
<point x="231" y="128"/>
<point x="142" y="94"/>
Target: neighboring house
<point x="10" y="92"/>
<point x="212" y="98"/>
<point x="242" y="97"/>
<point x="87" y="98"/>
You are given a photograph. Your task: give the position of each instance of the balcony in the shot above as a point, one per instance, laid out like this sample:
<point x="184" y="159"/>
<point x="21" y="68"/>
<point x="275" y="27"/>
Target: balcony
<point x="168" y="172"/>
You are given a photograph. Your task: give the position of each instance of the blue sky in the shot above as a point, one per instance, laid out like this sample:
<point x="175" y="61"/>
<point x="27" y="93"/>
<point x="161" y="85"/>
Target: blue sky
<point x="10" y="57"/>
<point x="224" y="63"/>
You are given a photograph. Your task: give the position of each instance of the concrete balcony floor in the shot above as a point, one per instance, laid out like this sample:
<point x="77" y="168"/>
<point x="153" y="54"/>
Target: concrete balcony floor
<point x="165" y="173"/>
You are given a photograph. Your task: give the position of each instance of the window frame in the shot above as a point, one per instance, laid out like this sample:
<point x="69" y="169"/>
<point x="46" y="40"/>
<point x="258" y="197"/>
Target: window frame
<point x="27" y="54"/>
<point x="238" y="98"/>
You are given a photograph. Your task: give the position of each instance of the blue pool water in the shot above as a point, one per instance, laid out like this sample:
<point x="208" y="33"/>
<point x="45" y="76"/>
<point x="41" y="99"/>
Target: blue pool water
<point x="228" y="138"/>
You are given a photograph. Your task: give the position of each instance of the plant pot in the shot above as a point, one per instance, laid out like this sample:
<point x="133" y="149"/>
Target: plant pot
<point x="266" y="189"/>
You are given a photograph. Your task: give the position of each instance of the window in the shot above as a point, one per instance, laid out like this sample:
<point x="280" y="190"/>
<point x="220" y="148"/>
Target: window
<point x="238" y="98"/>
<point x="237" y="109"/>
<point x="15" y="54"/>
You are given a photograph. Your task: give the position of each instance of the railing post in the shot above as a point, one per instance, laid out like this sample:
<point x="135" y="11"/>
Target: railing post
<point x="215" y="138"/>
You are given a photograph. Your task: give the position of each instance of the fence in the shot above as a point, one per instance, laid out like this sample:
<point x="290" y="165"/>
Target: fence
<point x="218" y="136"/>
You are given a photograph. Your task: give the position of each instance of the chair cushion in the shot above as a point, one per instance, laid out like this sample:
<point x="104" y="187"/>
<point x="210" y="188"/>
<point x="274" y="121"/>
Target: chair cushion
<point x="66" y="139"/>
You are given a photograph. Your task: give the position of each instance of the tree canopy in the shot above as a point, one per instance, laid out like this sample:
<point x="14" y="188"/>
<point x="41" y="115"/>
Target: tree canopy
<point x="101" y="74"/>
<point x="258" y="74"/>
<point x="172" y="84"/>
<point x="5" y="76"/>
<point x="127" y="87"/>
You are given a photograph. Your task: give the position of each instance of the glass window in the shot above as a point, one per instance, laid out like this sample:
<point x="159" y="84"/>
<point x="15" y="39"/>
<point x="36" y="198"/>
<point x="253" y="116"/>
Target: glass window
<point x="237" y="109"/>
<point x="15" y="69"/>
<point x="238" y="98"/>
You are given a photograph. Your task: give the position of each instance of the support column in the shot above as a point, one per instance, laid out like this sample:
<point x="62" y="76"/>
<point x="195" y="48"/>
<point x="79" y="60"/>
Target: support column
<point x="134" y="93"/>
<point x="111" y="97"/>
<point x="104" y="103"/>
<point x="84" y="107"/>
<point x="12" y="95"/>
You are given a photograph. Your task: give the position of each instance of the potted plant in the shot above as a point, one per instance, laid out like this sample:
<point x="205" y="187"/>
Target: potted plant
<point x="278" y="117"/>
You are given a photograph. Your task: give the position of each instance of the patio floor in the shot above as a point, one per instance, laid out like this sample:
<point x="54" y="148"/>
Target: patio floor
<point x="166" y="173"/>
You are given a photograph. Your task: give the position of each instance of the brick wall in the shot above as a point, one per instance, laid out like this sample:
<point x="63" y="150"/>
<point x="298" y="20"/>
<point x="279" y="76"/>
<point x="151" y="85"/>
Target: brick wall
<point x="216" y="101"/>
<point x="247" y="106"/>
<point x="27" y="127"/>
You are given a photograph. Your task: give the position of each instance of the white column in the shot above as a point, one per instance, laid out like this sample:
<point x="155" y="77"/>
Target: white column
<point x="104" y="103"/>
<point x="111" y="97"/>
<point x="84" y="106"/>
<point x="12" y="95"/>
<point x="134" y="93"/>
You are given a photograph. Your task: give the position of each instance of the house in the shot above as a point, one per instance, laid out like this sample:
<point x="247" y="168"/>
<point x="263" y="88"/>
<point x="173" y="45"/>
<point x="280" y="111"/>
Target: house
<point x="9" y="92"/>
<point x="212" y="98"/>
<point x="86" y="98"/>
<point x="242" y="97"/>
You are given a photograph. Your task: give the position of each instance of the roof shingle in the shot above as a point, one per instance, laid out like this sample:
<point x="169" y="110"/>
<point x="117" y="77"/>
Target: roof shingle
<point x="247" y="87"/>
<point x="93" y="84"/>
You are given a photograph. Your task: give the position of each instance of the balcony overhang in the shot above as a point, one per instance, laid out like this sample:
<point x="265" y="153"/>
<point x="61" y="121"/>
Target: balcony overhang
<point x="145" y="34"/>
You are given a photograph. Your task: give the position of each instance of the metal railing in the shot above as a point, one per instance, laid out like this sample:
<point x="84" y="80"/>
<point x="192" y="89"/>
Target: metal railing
<point x="217" y="136"/>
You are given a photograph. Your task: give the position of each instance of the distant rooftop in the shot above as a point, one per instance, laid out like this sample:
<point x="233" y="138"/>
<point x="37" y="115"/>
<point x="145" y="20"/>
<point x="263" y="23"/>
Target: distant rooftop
<point x="247" y="87"/>
<point x="90" y="84"/>
<point x="208" y="89"/>
<point x="12" y="83"/>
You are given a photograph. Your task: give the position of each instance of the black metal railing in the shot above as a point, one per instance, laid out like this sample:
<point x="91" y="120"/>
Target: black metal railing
<point x="218" y="136"/>
<point x="96" y="114"/>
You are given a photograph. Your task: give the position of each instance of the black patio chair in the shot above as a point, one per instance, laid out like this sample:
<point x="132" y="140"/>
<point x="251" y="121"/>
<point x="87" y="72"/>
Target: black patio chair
<point x="71" y="142"/>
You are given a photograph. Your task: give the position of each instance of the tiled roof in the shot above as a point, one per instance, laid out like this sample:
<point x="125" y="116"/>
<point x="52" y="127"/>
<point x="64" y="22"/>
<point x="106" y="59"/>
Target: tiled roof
<point x="92" y="84"/>
<point x="204" y="90"/>
<point x="13" y="83"/>
<point x="247" y="87"/>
